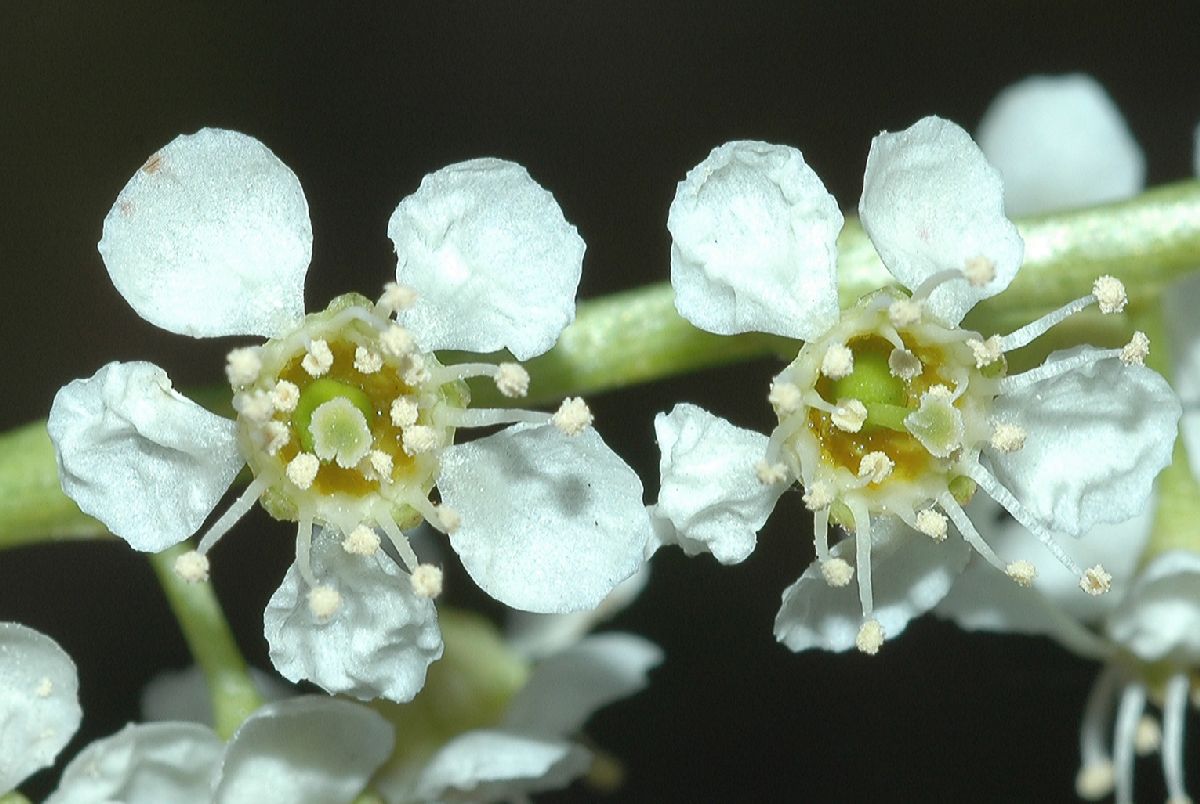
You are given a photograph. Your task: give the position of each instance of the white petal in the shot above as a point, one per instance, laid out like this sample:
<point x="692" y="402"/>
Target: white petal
<point x="140" y="457"/>
<point x="496" y="766"/>
<point x="494" y="262"/>
<point x="710" y="492"/>
<point x="753" y="249"/>
<point x="538" y="635"/>
<point x="144" y="764"/>
<point x="211" y="237"/>
<point x="567" y="687"/>
<point x="550" y="522"/>
<point x="39" y="702"/>
<point x="1160" y="617"/>
<point x="1179" y="305"/>
<point x="379" y="643"/>
<point x="931" y="203"/>
<point x="1097" y="437"/>
<point x="911" y="574"/>
<point x="310" y="750"/>
<point x="182" y="695"/>
<point x="985" y="599"/>
<point x="1060" y="142"/>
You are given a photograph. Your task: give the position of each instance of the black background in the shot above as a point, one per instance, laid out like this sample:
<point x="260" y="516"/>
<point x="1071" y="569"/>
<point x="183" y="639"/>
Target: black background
<point x="608" y="104"/>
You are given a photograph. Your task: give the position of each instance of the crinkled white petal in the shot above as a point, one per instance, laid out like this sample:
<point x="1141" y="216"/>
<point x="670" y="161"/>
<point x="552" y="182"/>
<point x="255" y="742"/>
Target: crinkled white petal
<point x="380" y="641"/>
<point x="753" y="249"/>
<point x="710" y="492"/>
<point x="494" y="262"/>
<point x="140" y="457"/>
<point x="144" y="764"/>
<point x="550" y="523"/>
<point x="567" y="687"/>
<point x="1097" y="437"/>
<point x="1060" y="142"/>
<point x="211" y="237"/>
<point x="985" y="599"/>
<point x="39" y="702"/>
<point x="497" y="766"/>
<point x="309" y="750"/>
<point x="930" y="203"/>
<point x="537" y="635"/>
<point x="183" y="696"/>
<point x="911" y="573"/>
<point x="1179" y="305"/>
<point x="1159" y="620"/>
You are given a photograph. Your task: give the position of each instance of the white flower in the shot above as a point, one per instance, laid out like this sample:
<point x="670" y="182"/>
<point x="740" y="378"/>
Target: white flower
<point x="1074" y="442"/>
<point x="39" y="702"/>
<point x="345" y="417"/>
<point x="304" y="750"/>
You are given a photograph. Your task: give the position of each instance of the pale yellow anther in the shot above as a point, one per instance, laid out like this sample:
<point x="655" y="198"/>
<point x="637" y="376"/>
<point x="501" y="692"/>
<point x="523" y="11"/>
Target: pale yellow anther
<point x="770" y="473"/>
<point x="397" y="341"/>
<point x="1148" y="737"/>
<point x="1135" y="352"/>
<point x="318" y="359"/>
<point x="849" y="415"/>
<point x="302" y="470"/>
<point x="512" y="380"/>
<point x="979" y="271"/>
<point x="1022" y="572"/>
<point x="904" y="364"/>
<point x="1007" y="437"/>
<point x="243" y="365"/>
<point x="417" y="372"/>
<point x="932" y="523"/>
<point x="448" y="518"/>
<point x="396" y="297"/>
<point x="323" y="602"/>
<point x="837" y="572"/>
<point x="44" y="688"/>
<point x="285" y="396"/>
<point x="817" y="496"/>
<point x="986" y="352"/>
<point x="785" y="397"/>
<point x="904" y="312"/>
<point x="192" y="567"/>
<point x="875" y="466"/>
<point x="1095" y="781"/>
<point x="362" y="541"/>
<point x="254" y="405"/>
<point x="1110" y="294"/>
<point x="426" y="580"/>
<point x="573" y="416"/>
<point x="366" y="361"/>
<point x="277" y="436"/>
<point x="404" y="411"/>
<point x="1095" y="581"/>
<point x="419" y="439"/>
<point x="381" y="463"/>
<point x="838" y="362"/>
<point x="870" y="637"/>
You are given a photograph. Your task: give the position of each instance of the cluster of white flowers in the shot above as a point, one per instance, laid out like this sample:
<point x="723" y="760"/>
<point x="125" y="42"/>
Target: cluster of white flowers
<point x="345" y="417"/>
<point x="892" y="415"/>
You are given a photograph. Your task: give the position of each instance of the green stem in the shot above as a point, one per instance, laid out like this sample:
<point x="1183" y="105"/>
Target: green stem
<point x="211" y="642"/>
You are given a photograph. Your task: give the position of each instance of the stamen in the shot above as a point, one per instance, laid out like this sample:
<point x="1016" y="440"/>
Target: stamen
<point x="278" y="434"/>
<point x="934" y="281"/>
<point x="408" y="556"/>
<point x="1149" y="736"/>
<point x="838" y="362"/>
<point x="862" y="557"/>
<point x="419" y="440"/>
<point x="489" y="417"/>
<point x="404" y="411"/>
<point x="417" y="373"/>
<point x="932" y="524"/>
<point x="1095" y="581"/>
<point x="243" y="365"/>
<point x="849" y="415"/>
<point x="904" y="312"/>
<point x="870" y="637"/>
<point x="818" y="496"/>
<point x="426" y="580"/>
<point x="366" y="361"/>
<point x="1096" y="773"/>
<point x="396" y="297"/>
<point x="821" y="534"/>
<point x="986" y="352"/>
<point x="837" y="572"/>
<point x="1175" y="701"/>
<point x="318" y="359"/>
<point x="1129" y="712"/>
<point x="1109" y="294"/>
<point x="1137" y="350"/>
<point x="573" y="416"/>
<point x="1047" y="371"/>
<point x="512" y="380"/>
<point x="904" y="364"/>
<point x="770" y="473"/>
<point x="979" y="271"/>
<point x="1022" y="572"/>
<point x="1007" y="437"/>
<point x="448" y="519"/>
<point x="302" y="470"/>
<point x="967" y="528"/>
<point x="254" y="405"/>
<point x="362" y="541"/>
<point x="323" y="602"/>
<point x="875" y="467"/>
<point x="381" y="462"/>
<point x="785" y="397"/>
<point x="285" y="396"/>
<point x="227" y="520"/>
<point x="396" y="341"/>
<point x="192" y="567"/>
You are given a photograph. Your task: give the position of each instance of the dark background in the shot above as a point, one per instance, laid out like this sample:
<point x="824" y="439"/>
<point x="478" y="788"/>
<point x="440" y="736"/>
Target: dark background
<point x="608" y="104"/>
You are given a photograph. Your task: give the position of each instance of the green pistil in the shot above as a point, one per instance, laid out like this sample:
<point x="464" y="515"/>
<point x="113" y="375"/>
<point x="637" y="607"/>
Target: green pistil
<point x="872" y="383"/>
<point x="318" y="393"/>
